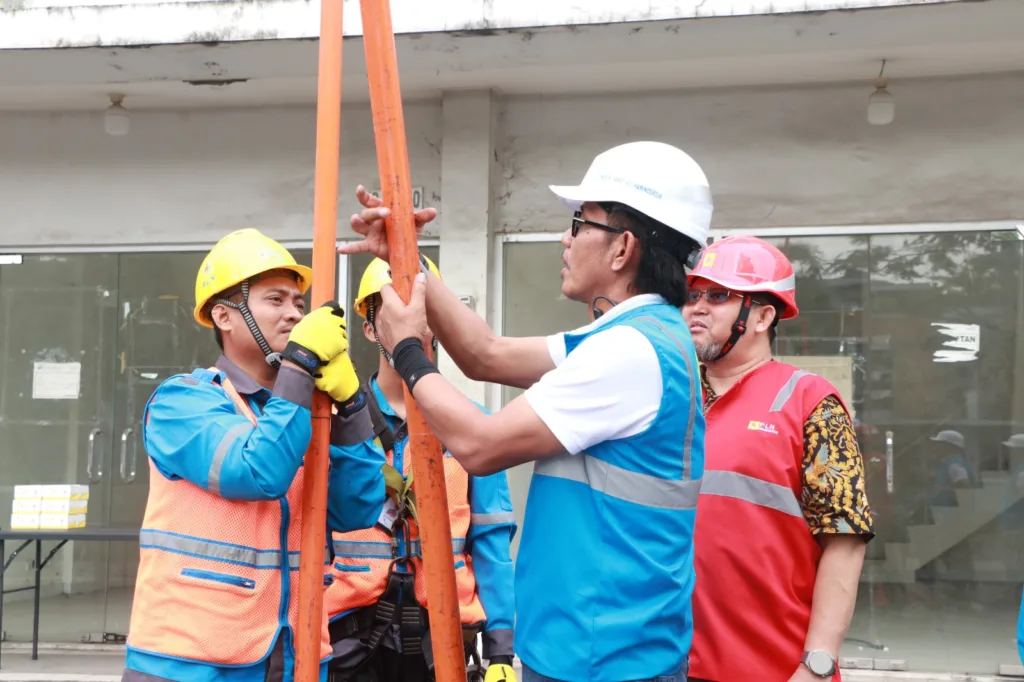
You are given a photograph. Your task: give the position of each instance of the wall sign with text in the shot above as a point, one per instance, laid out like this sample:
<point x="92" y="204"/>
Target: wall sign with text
<point x="417" y="197"/>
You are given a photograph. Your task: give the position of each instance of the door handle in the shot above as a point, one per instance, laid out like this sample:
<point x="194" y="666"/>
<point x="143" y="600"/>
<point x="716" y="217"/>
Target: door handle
<point x="127" y="471"/>
<point x="888" y="462"/>
<point x="93" y="470"/>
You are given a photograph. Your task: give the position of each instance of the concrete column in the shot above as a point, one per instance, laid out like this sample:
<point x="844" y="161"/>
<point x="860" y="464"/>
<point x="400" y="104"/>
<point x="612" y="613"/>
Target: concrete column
<point x="469" y="123"/>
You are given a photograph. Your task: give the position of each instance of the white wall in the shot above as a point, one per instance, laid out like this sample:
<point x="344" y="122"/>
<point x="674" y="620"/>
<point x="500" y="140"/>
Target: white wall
<point x="86" y="23"/>
<point x="187" y="176"/>
<point x="775" y="157"/>
<point x="785" y="157"/>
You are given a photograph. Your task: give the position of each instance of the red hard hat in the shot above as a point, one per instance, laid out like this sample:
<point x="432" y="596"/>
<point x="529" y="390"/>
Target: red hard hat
<point x="750" y="265"/>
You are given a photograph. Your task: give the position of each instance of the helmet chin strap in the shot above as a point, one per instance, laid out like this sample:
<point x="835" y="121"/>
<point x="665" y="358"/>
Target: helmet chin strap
<point x="371" y="317"/>
<point x="739" y="327"/>
<point x="273" y="359"/>
<point x="598" y="312"/>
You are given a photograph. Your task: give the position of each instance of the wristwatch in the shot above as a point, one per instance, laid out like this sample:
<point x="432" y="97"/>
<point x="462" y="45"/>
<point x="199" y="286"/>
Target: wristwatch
<point x="819" y="662"/>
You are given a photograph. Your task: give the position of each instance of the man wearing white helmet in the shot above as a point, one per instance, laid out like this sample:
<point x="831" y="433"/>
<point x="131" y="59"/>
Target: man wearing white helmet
<point x="610" y="416"/>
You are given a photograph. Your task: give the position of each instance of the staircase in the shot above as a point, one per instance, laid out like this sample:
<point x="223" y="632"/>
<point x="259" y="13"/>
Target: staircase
<point x="975" y="507"/>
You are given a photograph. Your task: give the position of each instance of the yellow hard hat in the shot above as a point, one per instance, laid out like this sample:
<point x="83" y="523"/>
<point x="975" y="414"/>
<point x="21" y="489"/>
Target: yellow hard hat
<point x="239" y="256"/>
<point x="376" y="275"/>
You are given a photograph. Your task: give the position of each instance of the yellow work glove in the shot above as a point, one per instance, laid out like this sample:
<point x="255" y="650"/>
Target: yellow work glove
<point x="318" y="338"/>
<point x="500" y="672"/>
<point x="338" y="378"/>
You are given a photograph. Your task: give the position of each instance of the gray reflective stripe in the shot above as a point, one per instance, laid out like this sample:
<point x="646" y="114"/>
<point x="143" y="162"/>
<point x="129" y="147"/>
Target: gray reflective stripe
<point x="458" y="546"/>
<point x="784" y="284"/>
<point x="370" y="550"/>
<point x="247" y="556"/>
<point x="382" y="550"/>
<point x="492" y="519"/>
<point x="294" y="561"/>
<point x="613" y="481"/>
<point x="787" y="391"/>
<point x="753" y="490"/>
<point x="695" y="397"/>
<point x="213" y="477"/>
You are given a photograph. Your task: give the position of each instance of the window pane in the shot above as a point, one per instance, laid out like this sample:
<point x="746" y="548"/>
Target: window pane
<point x="533" y="306"/>
<point x="533" y="301"/>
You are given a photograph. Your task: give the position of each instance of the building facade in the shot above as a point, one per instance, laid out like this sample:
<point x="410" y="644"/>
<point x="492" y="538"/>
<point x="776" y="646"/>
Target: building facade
<point x="907" y="238"/>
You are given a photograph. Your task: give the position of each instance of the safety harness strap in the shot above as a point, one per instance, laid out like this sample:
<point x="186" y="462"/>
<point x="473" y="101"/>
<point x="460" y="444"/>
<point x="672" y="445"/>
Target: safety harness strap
<point x="398" y="605"/>
<point x="381" y="428"/>
<point x="273" y="359"/>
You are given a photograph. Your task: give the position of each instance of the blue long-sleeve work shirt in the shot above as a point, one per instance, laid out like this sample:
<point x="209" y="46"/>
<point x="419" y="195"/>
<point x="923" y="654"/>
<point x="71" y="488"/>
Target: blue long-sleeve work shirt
<point x="192" y="431"/>
<point x="492" y="527"/>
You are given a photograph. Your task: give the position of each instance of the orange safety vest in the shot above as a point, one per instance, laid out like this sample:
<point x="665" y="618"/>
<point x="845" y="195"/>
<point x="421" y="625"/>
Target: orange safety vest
<point x="364" y="556"/>
<point x="209" y="586"/>
<point x="755" y="558"/>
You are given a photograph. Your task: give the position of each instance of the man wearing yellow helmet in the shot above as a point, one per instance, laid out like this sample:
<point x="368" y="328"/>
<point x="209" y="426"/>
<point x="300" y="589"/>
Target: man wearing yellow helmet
<point x="377" y="602"/>
<point x="216" y="599"/>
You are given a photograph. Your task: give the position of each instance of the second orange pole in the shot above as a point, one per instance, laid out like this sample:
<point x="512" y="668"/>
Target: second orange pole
<point x="325" y="234"/>
<point x="428" y="465"/>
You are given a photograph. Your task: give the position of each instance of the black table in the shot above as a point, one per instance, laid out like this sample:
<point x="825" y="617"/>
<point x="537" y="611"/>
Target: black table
<point x="28" y="536"/>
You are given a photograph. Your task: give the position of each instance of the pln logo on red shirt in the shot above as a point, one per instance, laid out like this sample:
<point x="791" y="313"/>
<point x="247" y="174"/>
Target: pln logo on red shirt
<point x="763" y="427"/>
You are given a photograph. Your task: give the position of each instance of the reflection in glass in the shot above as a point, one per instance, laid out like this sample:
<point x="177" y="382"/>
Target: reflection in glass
<point x="128" y="320"/>
<point x="930" y="330"/>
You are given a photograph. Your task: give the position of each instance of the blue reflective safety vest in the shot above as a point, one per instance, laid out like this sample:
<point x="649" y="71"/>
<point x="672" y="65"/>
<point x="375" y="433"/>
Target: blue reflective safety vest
<point x="1020" y="631"/>
<point x="604" y="573"/>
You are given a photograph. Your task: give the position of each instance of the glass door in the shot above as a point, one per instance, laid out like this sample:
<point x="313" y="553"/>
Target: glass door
<point x="156" y="338"/>
<point x="56" y="426"/>
<point x="924" y="335"/>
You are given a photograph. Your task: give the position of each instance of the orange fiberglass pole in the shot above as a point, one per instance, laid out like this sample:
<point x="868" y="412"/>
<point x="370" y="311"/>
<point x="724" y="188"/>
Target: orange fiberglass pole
<point x="428" y="467"/>
<point x="325" y="234"/>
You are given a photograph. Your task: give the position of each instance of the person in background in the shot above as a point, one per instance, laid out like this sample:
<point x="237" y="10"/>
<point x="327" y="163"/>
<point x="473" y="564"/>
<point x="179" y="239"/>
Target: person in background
<point x="953" y="470"/>
<point x="783" y="518"/>
<point x="611" y="416"/>
<point x="217" y="593"/>
<point x="1012" y="522"/>
<point x="377" y="604"/>
<point x="953" y="569"/>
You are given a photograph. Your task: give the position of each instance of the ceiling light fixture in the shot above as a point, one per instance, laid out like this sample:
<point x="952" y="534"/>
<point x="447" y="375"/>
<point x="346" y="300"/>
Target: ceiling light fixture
<point x="881" y="104"/>
<point x="115" y="118"/>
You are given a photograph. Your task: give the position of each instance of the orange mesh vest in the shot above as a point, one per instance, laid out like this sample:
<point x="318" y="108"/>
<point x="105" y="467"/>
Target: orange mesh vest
<point x="363" y="557"/>
<point x="209" y="585"/>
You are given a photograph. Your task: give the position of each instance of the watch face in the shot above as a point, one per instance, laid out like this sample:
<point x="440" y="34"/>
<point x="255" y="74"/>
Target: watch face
<point x="820" y="663"/>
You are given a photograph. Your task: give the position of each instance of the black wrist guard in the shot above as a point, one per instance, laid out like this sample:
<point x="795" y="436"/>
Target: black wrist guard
<point x="410" y="361"/>
<point x="500" y="660"/>
<point x="301" y="356"/>
<point x="352" y="405"/>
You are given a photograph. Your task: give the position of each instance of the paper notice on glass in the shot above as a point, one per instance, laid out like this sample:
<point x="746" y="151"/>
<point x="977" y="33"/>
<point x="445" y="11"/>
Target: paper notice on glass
<point x="963" y="344"/>
<point x="56" y="380"/>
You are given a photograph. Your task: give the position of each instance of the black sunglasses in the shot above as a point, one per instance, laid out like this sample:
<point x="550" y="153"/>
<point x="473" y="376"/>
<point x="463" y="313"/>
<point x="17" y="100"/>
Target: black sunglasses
<point x="714" y="296"/>
<point x="578" y="220"/>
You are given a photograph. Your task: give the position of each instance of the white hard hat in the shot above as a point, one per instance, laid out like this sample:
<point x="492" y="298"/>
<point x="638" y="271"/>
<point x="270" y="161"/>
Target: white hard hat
<point x="1015" y="441"/>
<point x="951" y="437"/>
<point x="653" y="178"/>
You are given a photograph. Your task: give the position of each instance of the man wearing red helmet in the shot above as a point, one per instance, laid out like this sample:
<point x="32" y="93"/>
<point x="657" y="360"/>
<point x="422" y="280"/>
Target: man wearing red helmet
<point x="783" y="518"/>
